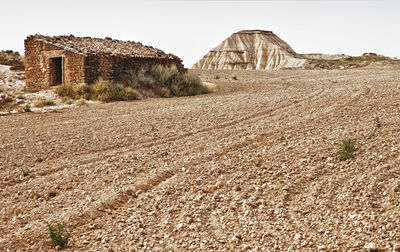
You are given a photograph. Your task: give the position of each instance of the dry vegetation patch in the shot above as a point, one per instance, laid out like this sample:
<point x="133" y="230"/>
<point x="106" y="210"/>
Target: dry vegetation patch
<point x="44" y="102"/>
<point x="158" y="81"/>
<point x="13" y="59"/>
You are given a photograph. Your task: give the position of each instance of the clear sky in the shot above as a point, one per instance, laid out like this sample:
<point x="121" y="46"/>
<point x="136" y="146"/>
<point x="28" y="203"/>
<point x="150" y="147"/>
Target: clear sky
<point x="189" y="29"/>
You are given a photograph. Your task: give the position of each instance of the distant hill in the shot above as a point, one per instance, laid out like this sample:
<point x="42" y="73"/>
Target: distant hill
<point x="263" y="50"/>
<point x="251" y="49"/>
<point x="373" y="60"/>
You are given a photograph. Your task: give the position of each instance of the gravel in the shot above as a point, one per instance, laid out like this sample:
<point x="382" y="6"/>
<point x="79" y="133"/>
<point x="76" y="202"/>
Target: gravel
<point x="185" y="173"/>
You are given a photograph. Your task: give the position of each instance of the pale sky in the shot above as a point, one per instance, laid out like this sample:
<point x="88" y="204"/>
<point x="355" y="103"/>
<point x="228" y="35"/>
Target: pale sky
<point x="189" y="29"/>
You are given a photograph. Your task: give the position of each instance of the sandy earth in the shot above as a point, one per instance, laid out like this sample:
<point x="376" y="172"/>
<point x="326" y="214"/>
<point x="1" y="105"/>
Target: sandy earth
<point x="251" y="167"/>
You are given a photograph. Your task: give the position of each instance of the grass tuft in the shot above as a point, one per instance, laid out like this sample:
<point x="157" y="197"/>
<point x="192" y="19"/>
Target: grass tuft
<point x="58" y="236"/>
<point x="347" y="149"/>
<point x="378" y="125"/>
<point x="26" y="172"/>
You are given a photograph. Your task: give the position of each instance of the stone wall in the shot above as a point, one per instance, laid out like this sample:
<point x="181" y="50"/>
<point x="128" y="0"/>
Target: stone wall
<point x="78" y="68"/>
<point x="37" y="64"/>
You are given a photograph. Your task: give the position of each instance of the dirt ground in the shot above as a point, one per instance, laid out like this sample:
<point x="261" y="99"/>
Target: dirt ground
<point x="251" y="167"/>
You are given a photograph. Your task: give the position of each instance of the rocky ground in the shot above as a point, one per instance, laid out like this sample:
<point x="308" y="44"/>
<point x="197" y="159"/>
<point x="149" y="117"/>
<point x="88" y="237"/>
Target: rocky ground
<point x="251" y="167"/>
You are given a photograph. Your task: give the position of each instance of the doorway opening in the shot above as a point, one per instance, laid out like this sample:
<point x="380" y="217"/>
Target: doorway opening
<point x="56" y="71"/>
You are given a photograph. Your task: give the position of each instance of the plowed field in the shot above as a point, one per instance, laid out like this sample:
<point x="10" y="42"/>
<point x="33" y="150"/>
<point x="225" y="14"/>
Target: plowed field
<point x="252" y="166"/>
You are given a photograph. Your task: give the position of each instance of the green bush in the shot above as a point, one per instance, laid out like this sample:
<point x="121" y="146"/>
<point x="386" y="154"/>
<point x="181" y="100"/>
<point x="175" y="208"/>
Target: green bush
<point x="347" y="149"/>
<point x="57" y="235"/>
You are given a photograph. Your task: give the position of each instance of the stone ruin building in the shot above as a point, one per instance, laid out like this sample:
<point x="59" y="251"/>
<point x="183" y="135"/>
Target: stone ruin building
<point x="53" y="61"/>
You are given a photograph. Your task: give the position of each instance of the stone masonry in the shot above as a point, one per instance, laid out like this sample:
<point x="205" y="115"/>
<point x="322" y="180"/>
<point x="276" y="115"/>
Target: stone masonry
<point x="52" y="61"/>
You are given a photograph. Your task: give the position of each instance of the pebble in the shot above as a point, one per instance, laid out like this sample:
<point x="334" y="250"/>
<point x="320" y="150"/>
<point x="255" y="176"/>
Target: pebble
<point x="370" y="246"/>
<point x="296" y="238"/>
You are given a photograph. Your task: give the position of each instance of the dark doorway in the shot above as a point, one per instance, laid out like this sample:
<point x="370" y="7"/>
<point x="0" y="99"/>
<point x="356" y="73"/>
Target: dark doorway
<point x="56" y="71"/>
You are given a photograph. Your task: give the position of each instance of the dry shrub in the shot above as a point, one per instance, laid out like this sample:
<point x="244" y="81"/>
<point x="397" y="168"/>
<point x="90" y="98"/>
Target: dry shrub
<point x="43" y="102"/>
<point x="11" y="58"/>
<point x="157" y="81"/>
<point x="105" y="91"/>
<point x="101" y="90"/>
<point x="74" y="91"/>
<point x="7" y="103"/>
<point x="166" y="82"/>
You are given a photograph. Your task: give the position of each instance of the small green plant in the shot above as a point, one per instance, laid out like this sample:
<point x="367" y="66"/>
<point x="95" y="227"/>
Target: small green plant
<point x="26" y="172"/>
<point x="283" y="139"/>
<point x="217" y="77"/>
<point x="378" y="122"/>
<point x="258" y="163"/>
<point x="26" y="108"/>
<point x="153" y="128"/>
<point x="347" y="149"/>
<point x="44" y="102"/>
<point x="378" y="125"/>
<point x="58" y="236"/>
<point x="234" y="78"/>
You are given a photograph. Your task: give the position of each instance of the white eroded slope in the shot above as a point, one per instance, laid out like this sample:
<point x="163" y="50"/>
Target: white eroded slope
<point x="251" y="49"/>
